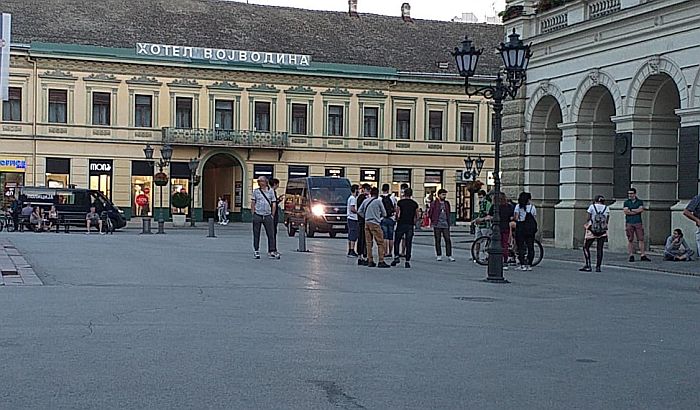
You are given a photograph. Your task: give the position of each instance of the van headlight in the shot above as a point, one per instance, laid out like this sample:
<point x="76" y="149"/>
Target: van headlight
<point x="318" y="210"/>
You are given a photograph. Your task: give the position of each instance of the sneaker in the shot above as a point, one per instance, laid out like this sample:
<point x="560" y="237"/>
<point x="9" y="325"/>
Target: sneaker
<point x="528" y="267"/>
<point x="439" y="258"/>
<point x="362" y="262"/>
<point x="505" y="267"/>
<point x="256" y="255"/>
<point x="597" y="268"/>
<point x="102" y="233"/>
<point x="585" y="269"/>
<point x="371" y="265"/>
<point x="395" y="262"/>
<point x="407" y="265"/>
<point x="277" y="255"/>
<point x="451" y="259"/>
<point x="631" y="258"/>
<point x="352" y="254"/>
<point x="645" y="258"/>
<point x="271" y="255"/>
<point x="523" y="267"/>
<point x="383" y="265"/>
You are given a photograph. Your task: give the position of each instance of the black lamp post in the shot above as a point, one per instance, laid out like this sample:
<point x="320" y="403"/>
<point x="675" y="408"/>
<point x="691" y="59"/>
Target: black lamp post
<point x="194" y="181"/>
<point x="515" y="56"/>
<point x="166" y="154"/>
<point x="473" y="169"/>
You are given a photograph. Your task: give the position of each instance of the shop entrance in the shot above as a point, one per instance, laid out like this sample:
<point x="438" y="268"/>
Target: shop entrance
<point x="222" y="177"/>
<point x="464" y="202"/>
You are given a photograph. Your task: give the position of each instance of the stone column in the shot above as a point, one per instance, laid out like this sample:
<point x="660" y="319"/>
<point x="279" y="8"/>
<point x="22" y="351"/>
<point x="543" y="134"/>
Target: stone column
<point x="542" y="176"/>
<point x="688" y="164"/>
<point x="513" y="146"/>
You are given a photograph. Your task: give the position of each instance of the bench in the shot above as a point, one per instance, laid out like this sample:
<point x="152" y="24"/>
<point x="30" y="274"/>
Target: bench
<point x="68" y="219"/>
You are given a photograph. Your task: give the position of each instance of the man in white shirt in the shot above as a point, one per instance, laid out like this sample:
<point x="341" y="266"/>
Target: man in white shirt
<point x="353" y="223"/>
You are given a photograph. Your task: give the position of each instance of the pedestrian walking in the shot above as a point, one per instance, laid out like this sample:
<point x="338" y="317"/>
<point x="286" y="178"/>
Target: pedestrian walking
<point x="373" y="211"/>
<point x="353" y="224"/>
<point x="692" y="212"/>
<point x="677" y="249"/>
<point x="221" y="211"/>
<point x="596" y="227"/>
<point x="440" y="221"/>
<point x="361" y="239"/>
<point x="406" y="217"/>
<point x="264" y="205"/>
<point x="525" y="230"/>
<point x="633" y="208"/>
<point x="505" y="212"/>
<point x="279" y="200"/>
<point x="389" y="221"/>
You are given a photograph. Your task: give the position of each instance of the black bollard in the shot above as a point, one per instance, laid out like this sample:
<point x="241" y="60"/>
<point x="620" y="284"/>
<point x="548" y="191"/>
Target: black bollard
<point x="146" y="226"/>
<point x="161" y="227"/>
<point x="302" y="238"/>
<point x="211" y="228"/>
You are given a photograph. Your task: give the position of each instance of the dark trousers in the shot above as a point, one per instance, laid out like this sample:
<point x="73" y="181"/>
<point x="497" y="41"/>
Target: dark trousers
<point x="440" y="233"/>
<point x="526" y="246"/>
<point x="258" y="222"/>
<point x="361" y="240"/>
<point x="404" y="232"/>
<point x="599" y="251"/>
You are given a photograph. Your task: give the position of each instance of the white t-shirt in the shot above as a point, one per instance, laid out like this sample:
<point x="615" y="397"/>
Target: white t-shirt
<point x="598" y="208"/>
<point x="522" y="212"/>
<point x="352" y="201"/>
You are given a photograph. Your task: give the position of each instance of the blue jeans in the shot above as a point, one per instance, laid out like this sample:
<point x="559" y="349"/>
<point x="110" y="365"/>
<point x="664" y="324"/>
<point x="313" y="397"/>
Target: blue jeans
<point x="388" y="228"/>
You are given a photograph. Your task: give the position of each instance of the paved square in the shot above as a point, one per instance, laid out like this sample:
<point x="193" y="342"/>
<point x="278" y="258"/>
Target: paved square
<point x="185" y="321"/>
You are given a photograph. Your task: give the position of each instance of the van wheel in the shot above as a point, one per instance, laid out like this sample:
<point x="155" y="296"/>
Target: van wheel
<point x="310" y="232"/>
<point x="290" y="230"/>
<point x="332" y="234"/>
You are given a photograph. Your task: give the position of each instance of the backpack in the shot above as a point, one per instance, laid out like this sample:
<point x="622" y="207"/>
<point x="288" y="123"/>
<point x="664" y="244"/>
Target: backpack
<point x="599" y="222"/>
<point x="530" y="223"/>
<point x="388" y="206"/>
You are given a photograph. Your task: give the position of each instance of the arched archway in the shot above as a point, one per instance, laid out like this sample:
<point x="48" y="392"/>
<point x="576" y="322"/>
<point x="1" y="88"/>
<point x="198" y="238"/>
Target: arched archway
<point x="655" y="152"/>
<point x="222" y="176"/>
<point x="542" y="160"/>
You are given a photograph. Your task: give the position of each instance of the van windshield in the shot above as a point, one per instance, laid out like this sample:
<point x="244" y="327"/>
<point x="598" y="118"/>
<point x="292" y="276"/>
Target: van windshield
<point x="330" y="195"/>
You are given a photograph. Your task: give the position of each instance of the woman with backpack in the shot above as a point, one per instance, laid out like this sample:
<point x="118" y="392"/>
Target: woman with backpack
<point x="596" y="231"/>
<point x="525" y="230"/>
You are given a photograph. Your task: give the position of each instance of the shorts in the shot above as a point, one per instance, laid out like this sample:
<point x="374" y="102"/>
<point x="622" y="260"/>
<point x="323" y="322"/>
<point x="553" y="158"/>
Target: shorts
<point x="353" y="230"/>
<point x="388" y="228"/>
<point x="633" y="230"/>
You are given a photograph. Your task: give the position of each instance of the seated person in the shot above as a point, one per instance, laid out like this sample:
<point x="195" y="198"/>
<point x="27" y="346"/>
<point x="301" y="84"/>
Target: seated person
<point x="93" y="219"/>
<point x="677" y="248"/>
<point x="52" y="217"/>
<point x="36" y="222"/>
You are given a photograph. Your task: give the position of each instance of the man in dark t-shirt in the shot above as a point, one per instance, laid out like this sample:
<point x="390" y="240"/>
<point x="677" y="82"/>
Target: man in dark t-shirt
<point x="406" y="217"/>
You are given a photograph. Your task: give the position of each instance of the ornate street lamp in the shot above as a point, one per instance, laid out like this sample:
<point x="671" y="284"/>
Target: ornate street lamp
<point x="515" y="56"/>
<point x="161" y="178"/>
<point x="194" y="181"/>
<point x="473" y="166"/>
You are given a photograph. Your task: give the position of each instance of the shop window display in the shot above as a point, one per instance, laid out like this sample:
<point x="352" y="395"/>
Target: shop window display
<point x="142" y="195"/>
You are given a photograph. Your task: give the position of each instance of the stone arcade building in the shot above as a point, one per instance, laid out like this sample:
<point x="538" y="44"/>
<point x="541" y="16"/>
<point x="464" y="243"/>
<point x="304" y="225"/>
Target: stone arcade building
<point x="612" y="101"/>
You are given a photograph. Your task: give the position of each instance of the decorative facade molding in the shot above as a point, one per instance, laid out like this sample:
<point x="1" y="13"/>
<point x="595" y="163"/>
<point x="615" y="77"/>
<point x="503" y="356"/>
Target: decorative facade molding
<point x="337" y="92"/>
<point x="186" y="83"/>
<point x="144" y="80"/>
<point x="300" y="89"/>
<point x="58" y="74"/>
<point x="653" y="66"/>
<point x="225" y="85"/>
<point x="263" y="88"/>
<point x="595" y="77"/>
<point x="372" y="94"/>
<point x="102" y="77"/>
<point x="546" y="88"/>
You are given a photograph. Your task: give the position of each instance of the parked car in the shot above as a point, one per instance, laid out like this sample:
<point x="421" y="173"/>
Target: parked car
<point x="320" y="203"/>
<point x="72" y="204"/>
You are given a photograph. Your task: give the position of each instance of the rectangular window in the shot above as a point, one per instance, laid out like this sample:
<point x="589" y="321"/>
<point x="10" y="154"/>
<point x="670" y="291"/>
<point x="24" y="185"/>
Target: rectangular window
<point x="435" y="125"/>
<point x="403" y="124"/>
<point x="262" y="116"/>
<point x="12" y="108"/>
<point x="466" y="126"/>
<point x="101" y="105"/>
<point x="57" y="172"/>
<point x="183" y="112"/>
<point x="371" y="123"/>
<point x="143" y="111"/>
<point x="299" y="115"/>
<point x="223" y="114"/>
<point x="335" y="120"/>
<point x="58" y="106"/>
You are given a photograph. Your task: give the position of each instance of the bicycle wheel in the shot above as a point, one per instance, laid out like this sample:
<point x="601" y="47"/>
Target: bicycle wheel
<point x="480" y="248"/>
<point x="2" y="225"/>
<point x="539" y="253"/>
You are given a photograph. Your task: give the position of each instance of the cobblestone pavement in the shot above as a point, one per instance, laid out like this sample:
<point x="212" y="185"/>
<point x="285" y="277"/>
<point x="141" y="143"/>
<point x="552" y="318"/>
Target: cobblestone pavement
<point x="184" y="321"/>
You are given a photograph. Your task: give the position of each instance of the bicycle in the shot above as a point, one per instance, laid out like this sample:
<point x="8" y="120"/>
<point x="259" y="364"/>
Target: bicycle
<point x="6" y="222"/>
<point x="107" y="224"/>
<point x="480" y="253"/>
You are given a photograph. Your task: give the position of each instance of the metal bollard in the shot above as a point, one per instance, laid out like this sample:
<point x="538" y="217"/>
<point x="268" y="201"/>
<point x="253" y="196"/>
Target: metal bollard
<point x="161" y="227"/>
<point x="146" y="226"/>
<point x="211" y="228"/>
<point x="302" y="238"/>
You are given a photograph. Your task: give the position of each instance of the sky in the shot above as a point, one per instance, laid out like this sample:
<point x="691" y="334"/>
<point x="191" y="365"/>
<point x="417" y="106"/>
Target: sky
<point x="420" y="9"/>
